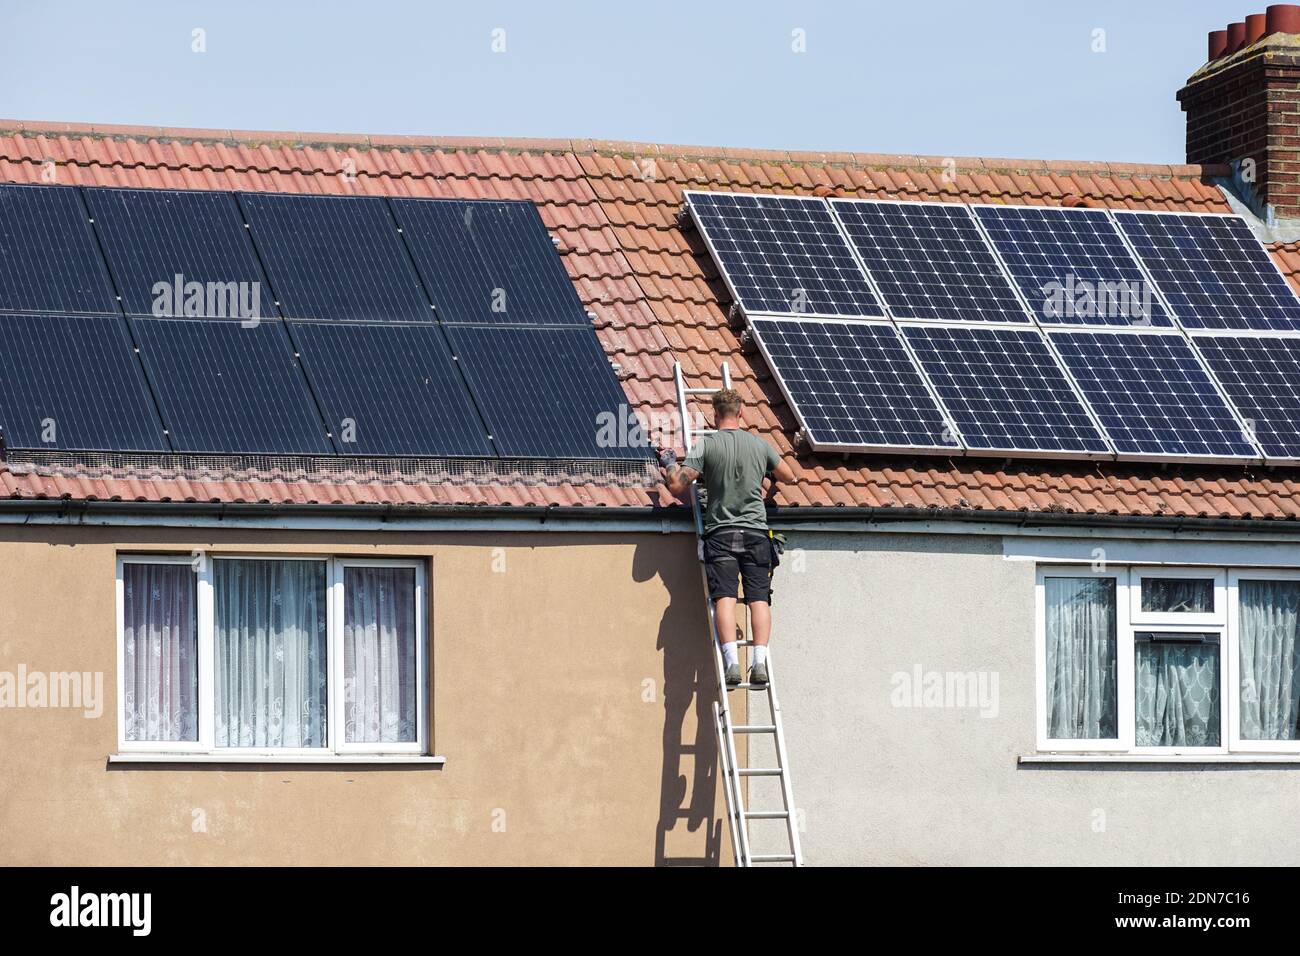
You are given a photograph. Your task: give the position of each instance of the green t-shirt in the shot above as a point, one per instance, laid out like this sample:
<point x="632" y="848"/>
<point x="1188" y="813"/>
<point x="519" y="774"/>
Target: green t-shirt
<point x="732" y="465"/>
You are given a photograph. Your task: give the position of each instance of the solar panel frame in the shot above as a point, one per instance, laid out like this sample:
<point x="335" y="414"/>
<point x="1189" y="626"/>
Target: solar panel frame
<point x="900" y="362"/>
<point x="1175" y="297"/>
<point x="1031" y="284"/>
<point x="967" y="389"/>
<point x="127" y="243"/>
<point x="864" y="300"/>
<point x="1259" y="384"/>
<point x="63" y="237"/>
<point x="1003" y="292"/>
<point x="1230" y="430"/>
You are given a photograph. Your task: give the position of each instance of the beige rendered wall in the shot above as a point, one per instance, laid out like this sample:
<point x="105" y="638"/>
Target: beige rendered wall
<point x="570" y="694"/>
<point x="878" y="782"/>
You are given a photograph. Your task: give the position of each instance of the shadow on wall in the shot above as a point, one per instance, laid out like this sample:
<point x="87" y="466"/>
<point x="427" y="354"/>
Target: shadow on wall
<point x="689" y="831"/>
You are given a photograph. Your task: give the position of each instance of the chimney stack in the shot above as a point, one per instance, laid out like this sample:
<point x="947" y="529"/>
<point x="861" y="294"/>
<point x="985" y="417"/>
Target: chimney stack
<point x="1243" y="108"/>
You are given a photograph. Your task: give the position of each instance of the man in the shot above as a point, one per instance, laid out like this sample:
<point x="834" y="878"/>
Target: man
<point x="733" y="464"/>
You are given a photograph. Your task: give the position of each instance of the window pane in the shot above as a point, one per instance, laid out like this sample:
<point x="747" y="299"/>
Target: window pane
<point x="1178" y="595"/>
<point x="1081" y="650"/>
<point x="379" y="679"/>
<point x="1177" y="691"/>
<point x="160" y="652"/>
<point x="1270" y="686"/>
<point x="271" y="653"/>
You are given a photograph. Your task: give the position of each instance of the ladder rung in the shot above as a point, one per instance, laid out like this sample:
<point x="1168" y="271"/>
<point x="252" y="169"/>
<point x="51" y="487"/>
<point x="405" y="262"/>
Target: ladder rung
<point x="760" y="771"/>
<point x="699" y="391"/>
<point x="748" y="686"/>
<point x="754" y="729"/>
<point x="765" y="814"/>
<point x="772" y="858"/>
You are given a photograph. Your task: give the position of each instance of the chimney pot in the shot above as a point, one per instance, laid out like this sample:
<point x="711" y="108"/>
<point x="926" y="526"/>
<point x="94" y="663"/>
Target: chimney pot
<point x="1236" y="36"/>
<point x="1218" y="43"/>
<point x="1282" y="18"/>
<point x="1255" y="27"/>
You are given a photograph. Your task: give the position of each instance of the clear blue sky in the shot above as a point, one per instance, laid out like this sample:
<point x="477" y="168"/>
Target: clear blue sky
<point x="1014" y="79"/>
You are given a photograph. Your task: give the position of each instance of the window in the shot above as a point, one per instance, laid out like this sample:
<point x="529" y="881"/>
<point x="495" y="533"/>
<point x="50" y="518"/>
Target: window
<point x="274" y="656"/>
<point x="1162" y="661"/>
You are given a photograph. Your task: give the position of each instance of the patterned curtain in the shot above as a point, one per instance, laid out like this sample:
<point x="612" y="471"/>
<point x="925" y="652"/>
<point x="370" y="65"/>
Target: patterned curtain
<point x="379" y="679"/>
<point x="1081" y="654"/>
<point x="1270" y="684"/>
<point x="1181" y="595"/>
<point x="271" y="653"/>
<point x="160" y="653"/>
<point x="1177" y="691"/>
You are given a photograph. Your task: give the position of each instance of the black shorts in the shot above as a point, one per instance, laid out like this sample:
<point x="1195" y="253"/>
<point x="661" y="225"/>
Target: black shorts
<point x="732" y="555"/>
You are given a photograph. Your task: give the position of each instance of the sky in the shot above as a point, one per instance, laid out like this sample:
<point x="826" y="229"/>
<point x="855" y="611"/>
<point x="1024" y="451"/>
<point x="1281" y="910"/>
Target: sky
<point x="1056" y="79"/>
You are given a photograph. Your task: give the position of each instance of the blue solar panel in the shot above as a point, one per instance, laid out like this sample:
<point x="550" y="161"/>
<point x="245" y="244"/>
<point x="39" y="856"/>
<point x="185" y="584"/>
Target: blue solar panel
<point x="335" y="257"/>
<point x="1152" y="395"/>
<point x="74" y="383"/>
<point x="1212" y="270"/>
<point x="488" y="262"/>
<point x="1072" y="266"/>
<point x="1262" y="377"/>
<point x="929" y="261"/>
<point x="853" y="384"/>
<point x="547" y="392"/>
<point x="180" y="253"/>
<point x="783" y="254"/>
<point x="48" y="258"/>
<point x="1005" y="390"/>
<point x="227" y="387"/>
<point x="390" y="389"/>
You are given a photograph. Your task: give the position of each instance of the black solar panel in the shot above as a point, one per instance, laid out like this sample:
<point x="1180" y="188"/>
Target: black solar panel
<point x="1212" y="270"/>
<point x="1004" y="389"/>
<point x="49" y="261"/>
<point x="335" y="257"/>
<point x="1152" y="395"/>
<point x="227" y="387"/>
<point x="853" y="384"/>
<point x="180" y="253"/>
<point x="783" y="254"/>
<point x="1072" y="266"/>
<point x="390" y="389"/>
<point x="929" y="261"/>
<point x="74" y="383"/>
<point x="1262" y="377"/>
<point x="488" y="262"/>
<point x="547" y="392"/>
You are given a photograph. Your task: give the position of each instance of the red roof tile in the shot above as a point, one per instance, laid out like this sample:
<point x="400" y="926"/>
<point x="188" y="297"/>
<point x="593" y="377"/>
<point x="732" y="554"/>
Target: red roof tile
<point x="655" y="295"/>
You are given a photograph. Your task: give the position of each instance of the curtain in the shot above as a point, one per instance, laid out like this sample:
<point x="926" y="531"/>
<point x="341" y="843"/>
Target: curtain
<point x="1270" y="685"/>
<point x="1183" y="595"/>
<point x="1081" y="652"/>
<point x="271" y="653"/>
<point x="379" y="679"/>
<point x="160" y="652"/>
<point x="1177" y="694"/>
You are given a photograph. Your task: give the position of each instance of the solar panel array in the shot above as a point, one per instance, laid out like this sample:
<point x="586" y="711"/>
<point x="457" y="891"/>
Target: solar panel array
<point x="253" y="323"/>
<point x="1019" y="330"/>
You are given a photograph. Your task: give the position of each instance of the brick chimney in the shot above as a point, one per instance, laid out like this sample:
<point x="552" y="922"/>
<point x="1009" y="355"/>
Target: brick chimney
<point x="1243" y="109"/>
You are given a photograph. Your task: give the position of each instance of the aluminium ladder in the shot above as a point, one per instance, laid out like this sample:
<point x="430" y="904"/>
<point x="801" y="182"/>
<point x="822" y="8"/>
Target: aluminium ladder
<point x="734" y="776"/>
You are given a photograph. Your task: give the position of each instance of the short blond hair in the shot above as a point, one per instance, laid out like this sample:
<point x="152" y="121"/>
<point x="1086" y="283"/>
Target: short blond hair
<point x="727" y="402"/>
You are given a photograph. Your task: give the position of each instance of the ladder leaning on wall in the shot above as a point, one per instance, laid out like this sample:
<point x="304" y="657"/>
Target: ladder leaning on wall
<point x="735" y="778"/>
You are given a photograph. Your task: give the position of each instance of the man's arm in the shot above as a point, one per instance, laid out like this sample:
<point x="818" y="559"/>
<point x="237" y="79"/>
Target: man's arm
<point x="782" y="472"/>
<point x="677" y="478"/>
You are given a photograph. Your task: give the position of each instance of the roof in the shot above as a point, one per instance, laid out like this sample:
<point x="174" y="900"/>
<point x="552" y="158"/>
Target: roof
<point x="656" y="296"/>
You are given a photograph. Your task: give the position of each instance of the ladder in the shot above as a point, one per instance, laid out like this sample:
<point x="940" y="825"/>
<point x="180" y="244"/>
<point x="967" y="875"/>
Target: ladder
<point x="734" y="777"/>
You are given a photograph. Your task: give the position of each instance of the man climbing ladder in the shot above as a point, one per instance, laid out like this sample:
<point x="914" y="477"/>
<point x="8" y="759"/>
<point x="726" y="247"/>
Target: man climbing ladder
<point x="738" y="545"/>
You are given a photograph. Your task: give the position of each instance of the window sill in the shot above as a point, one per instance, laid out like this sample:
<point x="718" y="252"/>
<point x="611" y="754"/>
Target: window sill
<point x="1078" y="758"/>
<point x="325" y="760"/>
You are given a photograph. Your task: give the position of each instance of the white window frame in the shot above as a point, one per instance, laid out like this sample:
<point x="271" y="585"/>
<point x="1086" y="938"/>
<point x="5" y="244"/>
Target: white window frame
<point x="335" y="746"/>
<point x="1235" y="741"/>
<point x="1191" y="620"/>
<point x="1130" y="620"/>
<point x="1123" y="677"/>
